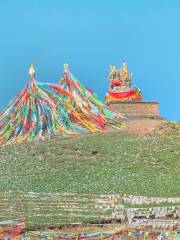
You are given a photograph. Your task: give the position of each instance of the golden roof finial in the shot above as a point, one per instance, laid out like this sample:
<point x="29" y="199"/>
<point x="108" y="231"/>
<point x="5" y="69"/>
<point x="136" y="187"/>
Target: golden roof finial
<point x="124" y="67"/>
<point x="65" y="67"/>
<point x="32" y="72"/>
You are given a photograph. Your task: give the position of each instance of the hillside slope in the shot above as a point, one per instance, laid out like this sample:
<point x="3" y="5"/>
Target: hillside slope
<point x="100" y="163"/>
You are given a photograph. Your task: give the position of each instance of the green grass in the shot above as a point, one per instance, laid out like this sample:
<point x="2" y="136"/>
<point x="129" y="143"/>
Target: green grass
<point x="97" y="164"/>
<point x="102" y="163"/>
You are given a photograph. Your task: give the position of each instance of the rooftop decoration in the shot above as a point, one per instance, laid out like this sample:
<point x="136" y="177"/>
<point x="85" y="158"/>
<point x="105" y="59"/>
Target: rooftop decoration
<point x="43" y="110"/>
<point x="120" y="88"/>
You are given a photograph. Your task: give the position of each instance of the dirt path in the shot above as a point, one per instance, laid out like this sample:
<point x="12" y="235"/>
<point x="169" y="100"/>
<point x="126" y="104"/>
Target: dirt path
<point x="134" y="126"/>
<point x="142" y="125"/>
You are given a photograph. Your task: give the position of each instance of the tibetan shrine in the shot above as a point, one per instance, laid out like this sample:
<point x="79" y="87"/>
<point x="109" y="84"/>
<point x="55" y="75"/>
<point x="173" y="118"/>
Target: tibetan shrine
<point x="126" y="99"/>
<point x="120" y="88"/>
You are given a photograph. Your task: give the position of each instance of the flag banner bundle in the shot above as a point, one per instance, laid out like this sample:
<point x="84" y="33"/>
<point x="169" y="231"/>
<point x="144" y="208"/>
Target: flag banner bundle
<point x="122" y="233"/>
<point x="43" y="110"/>
<point x="12" y="229"/>
<point x="87" y="101"/>
<point x="15" y="229"/>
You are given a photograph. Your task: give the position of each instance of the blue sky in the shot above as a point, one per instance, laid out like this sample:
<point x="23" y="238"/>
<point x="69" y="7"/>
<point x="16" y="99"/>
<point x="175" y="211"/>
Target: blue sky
<point x="90" y="35"/>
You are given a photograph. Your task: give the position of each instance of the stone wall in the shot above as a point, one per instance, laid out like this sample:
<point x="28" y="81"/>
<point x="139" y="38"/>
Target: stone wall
<point x="136" y="109"/>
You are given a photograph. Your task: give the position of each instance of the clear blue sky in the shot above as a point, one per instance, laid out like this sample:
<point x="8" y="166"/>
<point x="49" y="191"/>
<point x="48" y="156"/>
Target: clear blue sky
<point x="90" y="35"/>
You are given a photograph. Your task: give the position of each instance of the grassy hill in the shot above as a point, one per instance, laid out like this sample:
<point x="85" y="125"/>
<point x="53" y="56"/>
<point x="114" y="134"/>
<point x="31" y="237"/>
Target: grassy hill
<point x="100" y="163"/>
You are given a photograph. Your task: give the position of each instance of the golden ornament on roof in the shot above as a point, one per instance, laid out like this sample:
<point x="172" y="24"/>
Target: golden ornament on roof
<point x="32" y="71"/>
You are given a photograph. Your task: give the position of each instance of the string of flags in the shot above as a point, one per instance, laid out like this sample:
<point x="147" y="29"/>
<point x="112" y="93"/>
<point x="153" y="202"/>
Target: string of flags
<point x="17" y="230"/>
<point x="125" y="233"/>
<point x="44" y="110"/>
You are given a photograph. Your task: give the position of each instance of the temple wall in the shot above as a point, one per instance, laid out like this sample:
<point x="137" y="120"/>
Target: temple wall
<point x="136" y="109"/>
